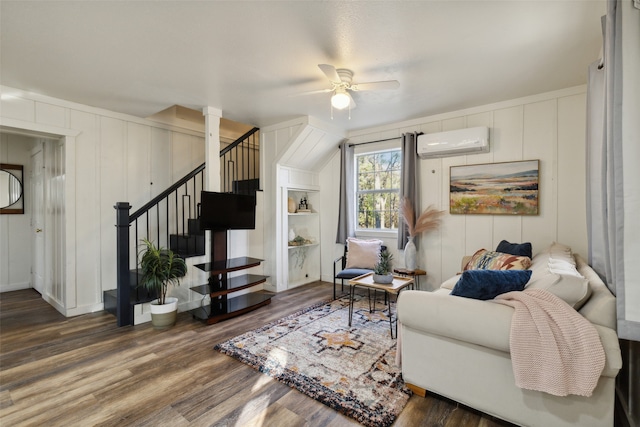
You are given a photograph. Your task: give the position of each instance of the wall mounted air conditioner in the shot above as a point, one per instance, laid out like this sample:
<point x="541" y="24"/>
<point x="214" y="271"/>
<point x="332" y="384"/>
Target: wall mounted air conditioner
<point x="454" y="143"/>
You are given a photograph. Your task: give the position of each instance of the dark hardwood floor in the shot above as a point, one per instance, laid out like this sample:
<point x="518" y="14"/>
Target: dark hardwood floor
<point x="85" y="371"/>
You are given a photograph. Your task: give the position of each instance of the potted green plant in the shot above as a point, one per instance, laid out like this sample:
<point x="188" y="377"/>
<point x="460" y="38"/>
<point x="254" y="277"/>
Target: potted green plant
<point x="382" y="269"/>
<point x="161" y="267"/>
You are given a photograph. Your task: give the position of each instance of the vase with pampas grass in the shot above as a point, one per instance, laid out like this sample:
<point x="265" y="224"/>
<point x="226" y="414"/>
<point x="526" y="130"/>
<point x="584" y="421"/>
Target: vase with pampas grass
<point x="428" y="220"/>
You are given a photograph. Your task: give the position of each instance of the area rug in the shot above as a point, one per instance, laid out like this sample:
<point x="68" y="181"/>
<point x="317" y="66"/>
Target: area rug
<point x="351" y="369"/>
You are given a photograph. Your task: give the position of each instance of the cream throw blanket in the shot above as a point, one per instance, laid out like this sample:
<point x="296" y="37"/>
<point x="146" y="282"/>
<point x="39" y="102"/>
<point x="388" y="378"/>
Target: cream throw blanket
<point x="553" y="348"/>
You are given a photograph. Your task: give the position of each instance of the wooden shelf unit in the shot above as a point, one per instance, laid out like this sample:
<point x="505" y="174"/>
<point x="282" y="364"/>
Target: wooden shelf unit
<point x="220" y="286"/>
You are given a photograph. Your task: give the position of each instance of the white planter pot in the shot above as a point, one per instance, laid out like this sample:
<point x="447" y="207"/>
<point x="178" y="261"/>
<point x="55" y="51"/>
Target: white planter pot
<point x="384" y="279"/>
<point x="164" y="316"/>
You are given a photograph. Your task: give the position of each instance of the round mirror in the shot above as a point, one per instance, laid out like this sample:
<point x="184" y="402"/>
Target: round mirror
<point x="10" y="189"/>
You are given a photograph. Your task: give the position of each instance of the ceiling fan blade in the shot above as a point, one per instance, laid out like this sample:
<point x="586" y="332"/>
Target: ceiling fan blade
<point x="330" y="72"/>
<point x="385" y="85"/>
<point x="312" y="92"/>
<point x="352" y="104"/>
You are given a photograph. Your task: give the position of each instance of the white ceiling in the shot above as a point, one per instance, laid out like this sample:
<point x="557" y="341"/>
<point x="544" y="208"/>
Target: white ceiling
<point x="248" y="58"/>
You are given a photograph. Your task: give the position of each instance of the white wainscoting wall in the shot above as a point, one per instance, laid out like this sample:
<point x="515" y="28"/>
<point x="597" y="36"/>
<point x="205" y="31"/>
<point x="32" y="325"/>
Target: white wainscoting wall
<point x="114" y="157"/>
<point x="549" y="127"/>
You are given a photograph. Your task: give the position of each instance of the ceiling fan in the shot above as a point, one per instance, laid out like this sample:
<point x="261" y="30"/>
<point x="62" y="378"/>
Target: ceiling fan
<point x="341" y="80"/>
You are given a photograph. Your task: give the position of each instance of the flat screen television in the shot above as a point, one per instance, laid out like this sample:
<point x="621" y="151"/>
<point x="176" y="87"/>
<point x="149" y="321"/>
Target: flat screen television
<point x="227" y="211"/>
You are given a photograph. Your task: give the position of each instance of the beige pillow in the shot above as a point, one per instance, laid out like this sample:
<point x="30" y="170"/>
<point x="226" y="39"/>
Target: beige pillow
<point x="363" y="253"/>
<point x="573" y="290"/>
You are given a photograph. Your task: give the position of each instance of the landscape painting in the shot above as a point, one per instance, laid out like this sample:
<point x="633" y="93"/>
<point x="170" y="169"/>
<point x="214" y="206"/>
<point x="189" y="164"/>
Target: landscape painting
<point x="495" y="188"/>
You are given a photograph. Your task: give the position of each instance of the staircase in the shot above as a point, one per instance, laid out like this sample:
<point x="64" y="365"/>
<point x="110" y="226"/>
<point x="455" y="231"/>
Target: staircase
<point x="171" y="220"/>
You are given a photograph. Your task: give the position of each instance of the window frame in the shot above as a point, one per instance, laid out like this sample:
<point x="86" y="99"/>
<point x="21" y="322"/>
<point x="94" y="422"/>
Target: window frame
<point x="365" y="149"/>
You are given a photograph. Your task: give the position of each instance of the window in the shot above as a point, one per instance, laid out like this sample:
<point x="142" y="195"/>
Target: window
<point x="378" y="189"/>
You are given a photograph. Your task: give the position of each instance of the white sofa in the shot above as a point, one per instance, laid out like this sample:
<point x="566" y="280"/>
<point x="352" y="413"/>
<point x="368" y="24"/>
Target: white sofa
<point x="459" y="348"/>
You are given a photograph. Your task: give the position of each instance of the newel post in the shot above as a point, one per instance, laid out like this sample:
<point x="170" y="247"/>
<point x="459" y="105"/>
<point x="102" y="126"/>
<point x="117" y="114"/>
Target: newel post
<point x="124" y="309"/>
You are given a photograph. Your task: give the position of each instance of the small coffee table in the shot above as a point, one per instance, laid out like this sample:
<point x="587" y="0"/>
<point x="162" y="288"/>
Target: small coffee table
<point x="366" y="281"/>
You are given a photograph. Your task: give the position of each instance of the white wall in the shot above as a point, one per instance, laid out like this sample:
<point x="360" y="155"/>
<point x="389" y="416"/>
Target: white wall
<point x="15" y="240"/>
<point x="303" y="144"/>
<point x="115" y="158"/>
<point x="549" y="127"/>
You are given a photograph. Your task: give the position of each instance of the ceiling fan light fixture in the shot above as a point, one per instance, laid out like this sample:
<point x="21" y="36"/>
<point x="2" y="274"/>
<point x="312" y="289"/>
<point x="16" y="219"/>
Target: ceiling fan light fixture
<point x="340" y="100"/>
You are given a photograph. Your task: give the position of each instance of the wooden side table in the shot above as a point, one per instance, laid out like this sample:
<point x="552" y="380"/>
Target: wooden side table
<point x="415" y="274"/>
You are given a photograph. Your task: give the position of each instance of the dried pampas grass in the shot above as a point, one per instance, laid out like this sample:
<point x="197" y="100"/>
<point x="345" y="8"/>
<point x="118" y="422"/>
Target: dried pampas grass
<point x="428" y="220"/>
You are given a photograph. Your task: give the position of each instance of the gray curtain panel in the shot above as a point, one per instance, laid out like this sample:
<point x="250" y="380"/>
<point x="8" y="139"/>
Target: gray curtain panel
<point x="346" y="216"/>
<point x="605" y="201"/>
<point x="408" y="182"/>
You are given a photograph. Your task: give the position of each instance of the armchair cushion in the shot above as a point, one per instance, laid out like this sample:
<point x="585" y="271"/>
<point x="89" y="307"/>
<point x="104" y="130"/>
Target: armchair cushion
<point x="487" y="284"/>
<point x="350" y="273"/>
<point x="362" y="253"/>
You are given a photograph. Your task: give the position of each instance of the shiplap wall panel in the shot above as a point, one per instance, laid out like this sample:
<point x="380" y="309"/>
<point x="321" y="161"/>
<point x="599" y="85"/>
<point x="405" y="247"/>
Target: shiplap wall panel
<point x="138" y="164"/>
<point x="548" y="127"/>
<point x="479" y="228"/>
<point x="181" y="156"/>
<point x="113" y="189"/>
<point x="101" y="168"/>
<point x="86" y="226"/>
<point x="161" y="160"/>
<point x="571" y="180"/>
<point x="506" y="144"/>
<point x="19" y="108"/>
<point x="50" y="114"/>
<point x="453" y="227"/>
<point x="15" y="246"/>
<point x="540" y="142"/>
<point x="431" y="193"/>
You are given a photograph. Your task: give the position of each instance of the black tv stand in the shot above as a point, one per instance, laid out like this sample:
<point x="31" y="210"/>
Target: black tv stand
<point x="219" y="285"/>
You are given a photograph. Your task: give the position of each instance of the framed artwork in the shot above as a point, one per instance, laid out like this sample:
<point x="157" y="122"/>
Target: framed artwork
<point x="509" y="188"/>
<point x="11" y="189"/>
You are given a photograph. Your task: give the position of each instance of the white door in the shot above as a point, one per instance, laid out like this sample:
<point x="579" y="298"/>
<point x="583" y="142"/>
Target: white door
<point x="37" y="219"/>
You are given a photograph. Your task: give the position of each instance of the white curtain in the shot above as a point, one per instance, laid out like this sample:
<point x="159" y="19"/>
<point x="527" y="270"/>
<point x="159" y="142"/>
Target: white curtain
<point x="605" y="207"/>
<point x="408" y="181"/>
<point x="346" y="216"/>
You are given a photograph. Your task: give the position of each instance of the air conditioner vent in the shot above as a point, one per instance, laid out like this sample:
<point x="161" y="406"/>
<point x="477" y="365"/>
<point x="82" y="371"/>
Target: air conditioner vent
<point x="454" y="143"/>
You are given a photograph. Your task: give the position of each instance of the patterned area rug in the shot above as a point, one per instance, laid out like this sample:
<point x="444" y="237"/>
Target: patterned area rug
<point x="351" y="369"/>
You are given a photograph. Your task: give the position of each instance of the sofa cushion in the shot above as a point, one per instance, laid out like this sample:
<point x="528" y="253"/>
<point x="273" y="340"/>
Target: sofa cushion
<point x="520" y="249"/>
<point x="559" y="252"/>
<point x="558" y="275"/>
<point x="487" y="284"/>
<point x="362" y="253"/>
<point x="491" y="260"/>
<point x="450" y="282"/>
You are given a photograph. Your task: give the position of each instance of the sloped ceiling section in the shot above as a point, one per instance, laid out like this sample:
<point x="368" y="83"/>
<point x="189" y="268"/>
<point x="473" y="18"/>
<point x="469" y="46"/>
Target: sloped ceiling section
<point x="188" y="118"/>
<point x="311" y="145"/>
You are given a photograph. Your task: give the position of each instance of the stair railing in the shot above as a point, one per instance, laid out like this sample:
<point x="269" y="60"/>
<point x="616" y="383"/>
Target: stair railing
<point x="169" y="213"/>
<point x="240" y="164"/>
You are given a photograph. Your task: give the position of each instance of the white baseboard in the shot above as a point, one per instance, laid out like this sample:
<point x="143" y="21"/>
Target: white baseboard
<point x="14" y="286"/>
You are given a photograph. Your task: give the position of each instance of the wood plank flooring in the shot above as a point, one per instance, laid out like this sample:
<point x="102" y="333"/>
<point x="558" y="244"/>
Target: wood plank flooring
<point x="85" y="371"/>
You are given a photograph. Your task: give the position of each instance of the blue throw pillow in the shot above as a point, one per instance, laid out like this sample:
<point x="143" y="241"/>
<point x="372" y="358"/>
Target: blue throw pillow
<point x="519" y="249"/>
<point x="488" y="284"/>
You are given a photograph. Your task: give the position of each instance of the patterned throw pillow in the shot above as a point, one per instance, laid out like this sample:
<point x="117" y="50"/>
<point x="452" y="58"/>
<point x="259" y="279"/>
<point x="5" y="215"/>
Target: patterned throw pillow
<point x="491" y="260"/>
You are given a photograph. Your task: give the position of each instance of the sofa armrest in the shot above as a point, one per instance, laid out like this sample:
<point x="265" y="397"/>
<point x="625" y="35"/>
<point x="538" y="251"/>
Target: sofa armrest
<point x="483" y="323"/>
<point x="479" y="322"/>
